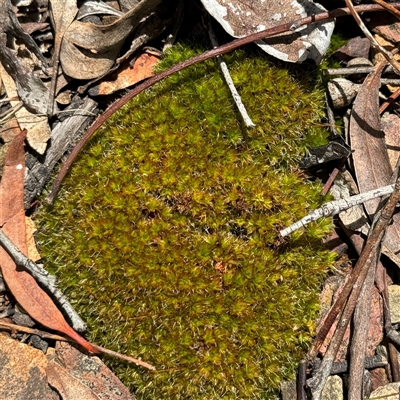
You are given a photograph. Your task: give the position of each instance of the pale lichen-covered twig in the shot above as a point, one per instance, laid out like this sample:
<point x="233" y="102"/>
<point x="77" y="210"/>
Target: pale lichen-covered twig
<point x="337" y="206"/>
<point x="388" y="56"/>
<point x="228" y="79"/>
<point x="45" y="279"/>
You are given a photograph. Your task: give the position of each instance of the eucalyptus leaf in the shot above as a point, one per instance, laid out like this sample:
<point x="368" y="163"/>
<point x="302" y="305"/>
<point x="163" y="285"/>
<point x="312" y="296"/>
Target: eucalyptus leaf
<point x="89" y="51"/>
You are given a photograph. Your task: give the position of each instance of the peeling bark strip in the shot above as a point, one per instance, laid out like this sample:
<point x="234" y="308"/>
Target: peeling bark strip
<point x="23" y="286"/>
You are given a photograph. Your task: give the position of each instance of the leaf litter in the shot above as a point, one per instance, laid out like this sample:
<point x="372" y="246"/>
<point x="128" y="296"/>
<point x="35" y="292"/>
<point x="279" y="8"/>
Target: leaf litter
<point x="89" y="52"/>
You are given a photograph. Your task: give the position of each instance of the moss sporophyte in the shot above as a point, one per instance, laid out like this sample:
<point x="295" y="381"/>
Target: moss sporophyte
<point x="165" y="234"/>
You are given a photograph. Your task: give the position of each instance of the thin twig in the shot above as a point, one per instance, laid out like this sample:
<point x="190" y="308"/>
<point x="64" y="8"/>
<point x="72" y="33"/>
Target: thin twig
<point x="44" y="278"/>
<point x="124" y="357"/>
<point x="354" y="70"/>
<point x="32" y="331"/>
<point x="228" y="79"/>
<point x="393" y="82"/>
<point x="337" y="206"/>
<point x="46" y="335"/>
<point x="301" y="381"/>
<point x="392" y="351"/>
<point x="6" y="115"/>
<point x="389" y="101"/>
<point x="328" y="184"/>
<point x="342" y="367"/>
<point x="359" y="338"/>
<point x="388" y="56"/>
<point x="389" y="8"/>
<point x="226" y="48"/>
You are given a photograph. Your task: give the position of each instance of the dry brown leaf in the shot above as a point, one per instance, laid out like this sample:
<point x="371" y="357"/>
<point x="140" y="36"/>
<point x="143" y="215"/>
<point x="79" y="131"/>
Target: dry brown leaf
<point x="240" y="18"/>
<point x="22" y="285"/>
<point x="89" y="51"/>
<point x="63" y="13"/>
<point x="370" y="156"/>
<point x="386" y="25"/>
<point x="36" y="125"/>
<point x="391" y="128"/>
<point x="371" y="161"/>
<point x="126" y="76"/>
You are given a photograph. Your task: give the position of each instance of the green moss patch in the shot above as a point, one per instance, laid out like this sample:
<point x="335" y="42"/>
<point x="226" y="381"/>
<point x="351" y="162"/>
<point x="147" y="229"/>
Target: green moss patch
<point x="165" y="235"/>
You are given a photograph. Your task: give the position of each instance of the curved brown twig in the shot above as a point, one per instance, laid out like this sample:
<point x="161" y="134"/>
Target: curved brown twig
<point x="226" y="48"/>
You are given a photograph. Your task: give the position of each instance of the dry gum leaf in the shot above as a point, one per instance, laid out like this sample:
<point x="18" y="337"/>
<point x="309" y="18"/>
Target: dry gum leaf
<point x="36" y="125"/>
<point x="22" y="285"/>
<point x="89" y="51"/>
<point x="370" y="156"/>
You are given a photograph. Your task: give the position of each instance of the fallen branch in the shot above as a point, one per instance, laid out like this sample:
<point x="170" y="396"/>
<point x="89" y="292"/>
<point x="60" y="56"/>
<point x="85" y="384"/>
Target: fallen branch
<point x="361" y="322"/>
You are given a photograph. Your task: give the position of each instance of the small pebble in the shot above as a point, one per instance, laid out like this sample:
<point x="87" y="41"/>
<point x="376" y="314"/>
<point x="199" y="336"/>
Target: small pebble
<point x="342" y="92"/>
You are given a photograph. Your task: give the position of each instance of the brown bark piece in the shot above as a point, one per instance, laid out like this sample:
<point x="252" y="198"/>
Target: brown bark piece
<point x="22" y="372"/>
<point x="88" y="372"/>
<point x="386" y="25"/>
<point x="378" y="378"/>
